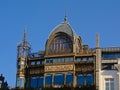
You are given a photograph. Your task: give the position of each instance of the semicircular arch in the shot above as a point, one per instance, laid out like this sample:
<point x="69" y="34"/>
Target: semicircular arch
<point x="59" y="43"/>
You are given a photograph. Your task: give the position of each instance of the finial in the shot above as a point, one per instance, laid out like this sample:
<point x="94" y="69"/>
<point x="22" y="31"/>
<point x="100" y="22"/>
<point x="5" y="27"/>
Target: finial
<point x="97" y="40"/>
<point x="24" y="38"/>
<point x="65" y="18"/>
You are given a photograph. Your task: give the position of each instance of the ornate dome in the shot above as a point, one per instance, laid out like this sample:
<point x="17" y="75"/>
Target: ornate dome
<point x="62" y="40"/>
<point x="65" y="28"/>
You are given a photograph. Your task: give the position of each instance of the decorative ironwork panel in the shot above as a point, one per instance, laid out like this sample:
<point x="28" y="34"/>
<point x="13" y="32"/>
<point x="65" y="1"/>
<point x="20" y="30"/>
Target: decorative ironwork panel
<point x="59" y="68"/>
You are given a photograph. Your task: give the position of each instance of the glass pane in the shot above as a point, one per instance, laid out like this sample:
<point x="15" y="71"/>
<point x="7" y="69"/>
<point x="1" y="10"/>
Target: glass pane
<point x="107" y="88"/>
<point x="59" y="79"/>
<point x="60" y="44"/>
<point x="80" y="80"/>
<point x="38" y="62"/>
<point x="78" y="59"/>
<point x="40" y="82"/>
<point x="33" y="82"/>
<point x="71" y="59"/>
<point x="62" y="59"/>
<point x="48" y="80"/>
<point x="20" y="82"/>
<point x="55" y="60"/>
<point x="33" y="63"/>
<point x="42" y="62"/>
<point x="111" y="86"/>
<point x="66" y="59"/>
<point x="69" y="78"/>
<point x="90" y="79"/>
<point x="84" y="59"/>
<point x="90" y="58"/>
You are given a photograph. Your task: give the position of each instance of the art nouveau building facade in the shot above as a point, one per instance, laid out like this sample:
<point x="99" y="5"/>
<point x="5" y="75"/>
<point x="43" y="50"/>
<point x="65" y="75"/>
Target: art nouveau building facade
<point x="66" y="61"/>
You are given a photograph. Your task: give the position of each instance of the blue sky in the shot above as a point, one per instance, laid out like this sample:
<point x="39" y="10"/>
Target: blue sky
<point x="86" y="17"/>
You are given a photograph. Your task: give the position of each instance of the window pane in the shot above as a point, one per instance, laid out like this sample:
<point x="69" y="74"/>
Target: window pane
<point x="59" y="79"/>
<point x="48" y="80"/>
<point x="20" y="82"/>
<point x="80" y="80"/>
<point x="40" y="82"/>
<point x="42" y="62"/>
<point x="109" y="84"/>
<point x="32" y="63"/>
<point x="47" y="60"/>
<point x="60" y="44"/>
<point x="69" y="78"/>
<point x="33" y="82"/>
<point x="38" y="62"/>
<point x="84" y="59"/>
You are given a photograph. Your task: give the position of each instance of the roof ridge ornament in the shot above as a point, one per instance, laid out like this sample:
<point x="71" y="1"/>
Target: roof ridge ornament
<point x="65" y="19"/>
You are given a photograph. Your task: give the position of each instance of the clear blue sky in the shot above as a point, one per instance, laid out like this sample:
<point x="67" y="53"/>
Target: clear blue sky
<point x="86" y="17"/>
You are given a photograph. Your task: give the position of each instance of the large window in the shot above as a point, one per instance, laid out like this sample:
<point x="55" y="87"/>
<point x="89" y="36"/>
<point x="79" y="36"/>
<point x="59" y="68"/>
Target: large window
<point x="108" y="66"/>
<point x="59" y="79"/>
<point x="59" y="60"/>
<point x="108" y="56"/>
<point x="109" y="84"/>
<point x="33" y="82"/>
<point x="80" y="80"/>
<point x="36" y="82"/>
<point x="69" y="78"/>
<point x="60" y="44"/>
<point x="48" y="80"/>
<point x="84" y="59"/>
<point x="20" y="82"/>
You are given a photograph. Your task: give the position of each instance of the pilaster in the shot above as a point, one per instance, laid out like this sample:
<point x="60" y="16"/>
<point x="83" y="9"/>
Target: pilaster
<point x="74" y="78"/>
<point x="44" y="80"/>
<point x="64" y="78"/>
<point x="118" y="74"/>
<point x="97" y="63"/>
<point x="52" y="79"/>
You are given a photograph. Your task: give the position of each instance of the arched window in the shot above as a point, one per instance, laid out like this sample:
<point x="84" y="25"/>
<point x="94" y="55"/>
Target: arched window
<point x="60" y="44"/>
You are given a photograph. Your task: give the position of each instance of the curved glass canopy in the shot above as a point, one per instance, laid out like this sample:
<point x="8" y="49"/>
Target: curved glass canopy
<point x="60" y="44"/>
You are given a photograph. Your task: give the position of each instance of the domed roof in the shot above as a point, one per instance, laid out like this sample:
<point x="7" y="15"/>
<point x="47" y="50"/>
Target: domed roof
<point x="63" y="34"/>
<point x="65" y="28"/>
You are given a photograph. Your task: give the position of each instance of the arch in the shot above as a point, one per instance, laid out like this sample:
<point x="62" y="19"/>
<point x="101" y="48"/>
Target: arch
<point x="62" y="40"/>
<point x="59" y="43"/>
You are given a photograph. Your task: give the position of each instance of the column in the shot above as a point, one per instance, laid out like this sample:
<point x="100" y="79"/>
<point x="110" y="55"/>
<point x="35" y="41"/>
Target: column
<point x="118" y="80"/>
<point x="74" y="80"/>
<point x="64" y="79"/>
<point x="84" y="79"/>
<point x="74" y="76"/>
<point x="117" y="66"/>
<point x="52" y="79"/>
<point x="44" y="80"/>
<point x="97" y="63"/>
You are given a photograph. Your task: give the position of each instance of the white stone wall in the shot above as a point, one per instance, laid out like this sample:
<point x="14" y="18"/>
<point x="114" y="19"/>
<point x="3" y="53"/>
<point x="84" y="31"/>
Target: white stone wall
<point x="108" y="74"/>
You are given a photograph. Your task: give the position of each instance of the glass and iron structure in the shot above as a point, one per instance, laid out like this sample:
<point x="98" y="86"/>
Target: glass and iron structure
<point x="66" y="61"/>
